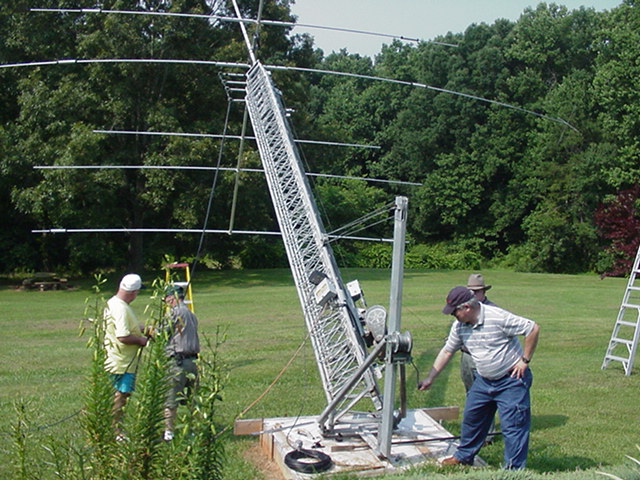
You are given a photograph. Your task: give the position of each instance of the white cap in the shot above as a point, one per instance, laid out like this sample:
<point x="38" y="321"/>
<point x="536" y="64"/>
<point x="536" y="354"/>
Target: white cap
<point x="131" y="282"/>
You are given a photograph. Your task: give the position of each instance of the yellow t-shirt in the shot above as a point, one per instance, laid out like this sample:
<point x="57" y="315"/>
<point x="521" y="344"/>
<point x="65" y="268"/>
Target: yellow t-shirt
<point x="121" y="321"/>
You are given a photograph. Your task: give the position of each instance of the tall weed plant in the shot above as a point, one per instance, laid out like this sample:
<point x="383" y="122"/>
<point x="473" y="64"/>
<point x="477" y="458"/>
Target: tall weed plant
<point x="196" y="451"/>
<point x="93" y="453"/>
<point x="23" y="462"/>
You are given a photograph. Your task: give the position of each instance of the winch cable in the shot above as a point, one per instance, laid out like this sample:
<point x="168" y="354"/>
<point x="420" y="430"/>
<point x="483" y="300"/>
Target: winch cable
<point x="415" y="367"/>
<point x="305" y="460"/>
<point x="47" y="425"/>
<point x="358" y="228"/>
<point x="308" y="461"/>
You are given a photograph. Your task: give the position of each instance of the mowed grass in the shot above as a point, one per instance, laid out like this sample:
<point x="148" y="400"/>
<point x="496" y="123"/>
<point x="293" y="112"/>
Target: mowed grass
<point x="583" y="417"/>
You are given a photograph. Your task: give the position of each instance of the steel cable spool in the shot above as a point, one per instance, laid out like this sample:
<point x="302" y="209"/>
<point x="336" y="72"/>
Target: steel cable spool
<point x="308" y="461"/>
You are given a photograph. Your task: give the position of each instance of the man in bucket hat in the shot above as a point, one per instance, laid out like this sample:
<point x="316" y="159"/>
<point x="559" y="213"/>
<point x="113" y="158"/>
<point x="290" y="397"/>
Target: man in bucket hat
<point x="503" y="376"/>
<point x="476" y="284"/>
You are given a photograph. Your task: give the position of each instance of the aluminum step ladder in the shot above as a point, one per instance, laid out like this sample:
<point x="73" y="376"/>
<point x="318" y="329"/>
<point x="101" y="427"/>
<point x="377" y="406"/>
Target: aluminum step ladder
<point x="185" y="284"/>
<point x="626" y="332"/>
<point x="329" y="311"/>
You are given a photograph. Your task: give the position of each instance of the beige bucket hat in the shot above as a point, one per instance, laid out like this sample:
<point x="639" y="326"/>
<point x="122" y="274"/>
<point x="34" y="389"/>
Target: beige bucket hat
<point x="476" y="282"/>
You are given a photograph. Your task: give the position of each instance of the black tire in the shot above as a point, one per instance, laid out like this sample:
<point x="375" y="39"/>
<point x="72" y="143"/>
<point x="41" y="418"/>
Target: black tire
<point x="308" y="461"/>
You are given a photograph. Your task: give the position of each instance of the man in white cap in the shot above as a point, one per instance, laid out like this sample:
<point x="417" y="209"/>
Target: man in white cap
<point x="123" y="341"/>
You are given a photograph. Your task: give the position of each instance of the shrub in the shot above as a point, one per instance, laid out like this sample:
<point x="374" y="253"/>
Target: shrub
<point x="619" y="222"/>
<point x="374" y="255"/>
<point x="262" y="252"/>
<point x="442" y="256"/>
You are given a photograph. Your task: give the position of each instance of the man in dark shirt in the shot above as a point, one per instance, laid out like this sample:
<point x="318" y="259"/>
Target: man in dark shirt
<point x="183" y="349"/>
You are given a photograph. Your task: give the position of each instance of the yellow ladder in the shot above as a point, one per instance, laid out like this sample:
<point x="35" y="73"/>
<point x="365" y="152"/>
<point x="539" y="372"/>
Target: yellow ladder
<point x="186" y="284"/>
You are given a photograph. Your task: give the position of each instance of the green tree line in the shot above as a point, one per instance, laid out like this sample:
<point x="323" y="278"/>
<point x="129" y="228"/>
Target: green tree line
<point x="516" y="188"/>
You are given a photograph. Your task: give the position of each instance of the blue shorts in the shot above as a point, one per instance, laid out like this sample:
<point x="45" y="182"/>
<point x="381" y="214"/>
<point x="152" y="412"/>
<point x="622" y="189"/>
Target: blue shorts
<point x="124" y="382"/>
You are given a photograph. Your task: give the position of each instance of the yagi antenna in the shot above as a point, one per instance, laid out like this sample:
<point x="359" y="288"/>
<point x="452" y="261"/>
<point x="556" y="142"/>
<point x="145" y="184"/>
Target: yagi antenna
<point x="198" y="230"/>
<point x="68" y="61"/>
<point x="300" y="69"/>
<point x="250" y="47"/>
<point x="233" y="137"/>
<point x="221" y="18"/>
<point x="221" y="169"/>
<point x="425" y="86"/>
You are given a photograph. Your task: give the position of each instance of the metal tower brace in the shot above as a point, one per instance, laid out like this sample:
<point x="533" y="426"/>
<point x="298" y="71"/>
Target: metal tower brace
<point x="334" y="328"/>
<point x="393" y="337"/>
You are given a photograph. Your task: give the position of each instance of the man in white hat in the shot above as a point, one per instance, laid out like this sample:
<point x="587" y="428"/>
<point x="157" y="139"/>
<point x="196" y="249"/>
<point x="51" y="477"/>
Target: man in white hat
<point x="123" y="341"/>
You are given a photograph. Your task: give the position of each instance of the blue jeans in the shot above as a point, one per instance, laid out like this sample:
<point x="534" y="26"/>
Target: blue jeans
<point x="510" y="397"/>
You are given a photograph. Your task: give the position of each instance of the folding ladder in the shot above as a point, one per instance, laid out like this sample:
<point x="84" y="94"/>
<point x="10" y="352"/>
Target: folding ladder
<point x="626" y="332"/>
<point x="186" y="284"/>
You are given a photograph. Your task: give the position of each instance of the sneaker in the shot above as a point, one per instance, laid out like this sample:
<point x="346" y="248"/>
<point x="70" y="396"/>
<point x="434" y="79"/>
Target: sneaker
<point x="168" y="435"/>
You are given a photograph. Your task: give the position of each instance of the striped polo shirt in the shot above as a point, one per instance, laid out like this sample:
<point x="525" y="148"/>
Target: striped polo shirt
<point x="492" y="342"/>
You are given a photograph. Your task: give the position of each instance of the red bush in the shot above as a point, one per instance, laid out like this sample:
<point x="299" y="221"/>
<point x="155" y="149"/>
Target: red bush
<point x="619" y="222"/>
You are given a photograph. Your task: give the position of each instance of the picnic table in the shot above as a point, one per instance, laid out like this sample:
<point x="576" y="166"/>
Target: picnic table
<point x="45" y="281"/>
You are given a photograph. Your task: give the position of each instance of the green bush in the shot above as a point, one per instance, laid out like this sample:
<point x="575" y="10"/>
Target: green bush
<point x="263" y="252"/>
<point x="555" y="243"/>
<point x="439" y="256"/>
<point x="374" y="255"/>
<point x="442" y="257"/>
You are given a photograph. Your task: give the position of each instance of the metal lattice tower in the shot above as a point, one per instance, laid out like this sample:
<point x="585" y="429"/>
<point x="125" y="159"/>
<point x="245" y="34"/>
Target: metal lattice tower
<point x="332" y="321"/>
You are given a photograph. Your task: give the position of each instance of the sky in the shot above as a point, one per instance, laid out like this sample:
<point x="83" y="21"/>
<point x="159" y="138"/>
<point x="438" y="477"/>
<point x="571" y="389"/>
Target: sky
<point x="423" y="19"/>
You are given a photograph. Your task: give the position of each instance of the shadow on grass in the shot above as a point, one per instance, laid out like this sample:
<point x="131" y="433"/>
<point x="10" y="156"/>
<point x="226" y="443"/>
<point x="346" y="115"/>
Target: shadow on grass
<point x="543" y="422"/>
<point x="549" y="459"/>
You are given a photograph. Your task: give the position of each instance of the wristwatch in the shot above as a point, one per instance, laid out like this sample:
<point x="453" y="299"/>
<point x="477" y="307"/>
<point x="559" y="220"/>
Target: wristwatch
<point x="526" y="360"/>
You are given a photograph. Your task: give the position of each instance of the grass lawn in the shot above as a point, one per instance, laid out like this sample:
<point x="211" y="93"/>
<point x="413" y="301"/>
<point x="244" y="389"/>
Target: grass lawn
<point x="583" y="417"/>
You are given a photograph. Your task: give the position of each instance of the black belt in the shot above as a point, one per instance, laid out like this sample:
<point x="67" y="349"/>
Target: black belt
<point x="184" y="356"/>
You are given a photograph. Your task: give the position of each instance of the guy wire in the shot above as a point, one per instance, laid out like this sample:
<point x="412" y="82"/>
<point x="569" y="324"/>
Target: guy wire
<point x="359" y="224"/>
<point x="211" y="194"/>
<point x="271" y="385"/>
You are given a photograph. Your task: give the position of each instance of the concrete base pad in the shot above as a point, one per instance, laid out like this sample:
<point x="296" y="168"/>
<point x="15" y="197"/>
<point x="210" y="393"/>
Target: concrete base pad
<point x="419" y="439"/>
